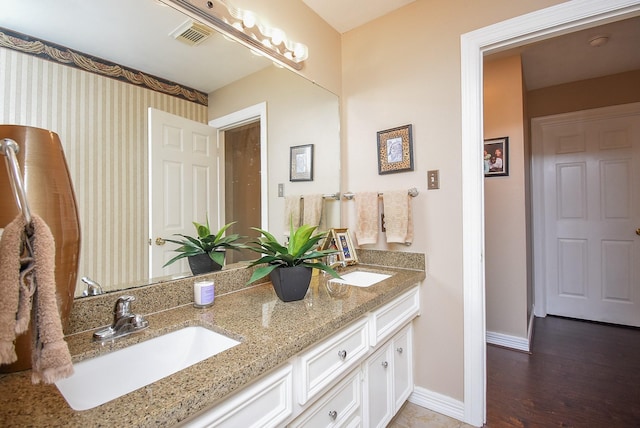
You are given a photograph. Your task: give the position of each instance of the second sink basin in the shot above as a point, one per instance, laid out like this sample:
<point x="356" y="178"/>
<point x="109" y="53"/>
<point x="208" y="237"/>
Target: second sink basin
<point x="104" y="378"/>
<point x="361" y="278"/>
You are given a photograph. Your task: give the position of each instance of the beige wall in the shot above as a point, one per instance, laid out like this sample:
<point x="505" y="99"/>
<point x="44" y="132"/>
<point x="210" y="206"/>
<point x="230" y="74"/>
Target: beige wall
<point x="604" y="91"/>
<point x="505" y="202"/>
<point x="405" y="68"/>
<point x="102" y="124"/>
<point x="298" y="113"/>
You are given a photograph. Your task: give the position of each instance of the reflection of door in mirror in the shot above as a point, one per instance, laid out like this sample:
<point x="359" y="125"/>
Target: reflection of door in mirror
<point x="242" y="184"/>
<point x="183" y="187"/>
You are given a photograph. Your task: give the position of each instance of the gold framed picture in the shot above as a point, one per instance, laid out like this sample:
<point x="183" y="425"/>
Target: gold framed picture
<point x="344" y="245"/>
<point x="395" y="150"/>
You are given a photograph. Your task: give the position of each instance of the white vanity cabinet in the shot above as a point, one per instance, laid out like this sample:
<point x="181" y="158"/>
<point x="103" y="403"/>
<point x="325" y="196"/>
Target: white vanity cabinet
<point x="388" y="379"/>
<point x="265" y="403"/>
<point x="358" y="376"/>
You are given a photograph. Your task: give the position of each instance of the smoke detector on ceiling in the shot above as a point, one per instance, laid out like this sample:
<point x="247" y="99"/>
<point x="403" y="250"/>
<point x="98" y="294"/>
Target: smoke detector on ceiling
<point x="191" y="33"/>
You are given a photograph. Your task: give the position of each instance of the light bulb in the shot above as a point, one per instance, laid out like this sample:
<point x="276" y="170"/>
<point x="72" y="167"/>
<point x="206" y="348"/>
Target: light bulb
<point x="277" y="36"/>
<point x="300" y="51"/>
<point x="248" y="19"/>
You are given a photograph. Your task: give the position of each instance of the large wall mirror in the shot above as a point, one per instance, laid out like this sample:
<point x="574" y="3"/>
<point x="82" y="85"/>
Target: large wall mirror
<point x="102" y="121"/>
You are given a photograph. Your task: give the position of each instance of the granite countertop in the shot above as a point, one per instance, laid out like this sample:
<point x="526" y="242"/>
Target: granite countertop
<point x="270" y="332"/>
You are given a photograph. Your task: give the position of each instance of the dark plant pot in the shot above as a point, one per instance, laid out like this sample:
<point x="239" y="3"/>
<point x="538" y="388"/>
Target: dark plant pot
<point x="291" y="283"/>
<point x="202" y="263"/>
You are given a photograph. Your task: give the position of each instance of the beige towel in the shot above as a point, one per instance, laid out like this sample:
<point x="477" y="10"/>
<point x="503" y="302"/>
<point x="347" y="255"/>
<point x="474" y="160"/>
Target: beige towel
<point x="367" y="217"/>
<point x="291" y="212"/>
<point x="312" y="209"/>
<point x="34" y="270"/>
<point x="398" y="218"/>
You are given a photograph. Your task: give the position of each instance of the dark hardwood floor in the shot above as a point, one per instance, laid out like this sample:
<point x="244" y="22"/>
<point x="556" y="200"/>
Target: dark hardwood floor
<point x="579" y="374"/>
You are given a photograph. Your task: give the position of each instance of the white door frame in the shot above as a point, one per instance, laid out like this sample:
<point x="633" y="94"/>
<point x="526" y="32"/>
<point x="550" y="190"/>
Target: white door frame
<point x="562" y="18"/>
<point x="235" y="119"/>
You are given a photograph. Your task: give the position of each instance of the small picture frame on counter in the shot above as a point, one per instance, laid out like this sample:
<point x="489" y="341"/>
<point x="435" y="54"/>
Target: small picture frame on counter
<point x="344" y="244"/>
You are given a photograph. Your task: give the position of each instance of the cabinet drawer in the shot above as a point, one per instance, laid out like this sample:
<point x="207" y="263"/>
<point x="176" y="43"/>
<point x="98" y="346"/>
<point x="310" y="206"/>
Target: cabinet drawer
<point x="340" y="407"/>
<point x="389" y="318"/>
<point x="325" y="362"/>
<point x="266" y="403"/>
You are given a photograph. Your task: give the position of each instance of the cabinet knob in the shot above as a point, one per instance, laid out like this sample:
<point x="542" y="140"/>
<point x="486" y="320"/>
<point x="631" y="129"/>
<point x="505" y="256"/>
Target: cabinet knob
<point x="333" y="414"/>
<point x="399" y="350"/>
<point x="385" y="364"/>
<point x="342" y="354"/>
<point x="638" y="231"/>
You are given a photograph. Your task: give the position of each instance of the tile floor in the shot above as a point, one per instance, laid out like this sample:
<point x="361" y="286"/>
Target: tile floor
<point x="413" y="416"/>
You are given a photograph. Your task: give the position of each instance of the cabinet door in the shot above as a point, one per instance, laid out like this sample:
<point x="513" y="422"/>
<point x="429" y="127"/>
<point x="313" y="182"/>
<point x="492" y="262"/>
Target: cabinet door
<point x="378" y="388"/>
<point x="402" y="366"/>
<point x="340" y="407"/>
<point x="266" y="403"/>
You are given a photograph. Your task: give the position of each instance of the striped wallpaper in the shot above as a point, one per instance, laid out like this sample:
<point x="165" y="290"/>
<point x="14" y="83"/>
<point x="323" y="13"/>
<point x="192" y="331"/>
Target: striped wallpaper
<point x="102" y="124"/>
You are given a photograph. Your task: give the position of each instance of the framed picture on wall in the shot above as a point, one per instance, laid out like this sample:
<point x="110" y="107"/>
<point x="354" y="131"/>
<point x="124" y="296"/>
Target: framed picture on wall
<point x="301" y="158"/>
<point x="395" y="150"/>
<point x="496" y="157"/>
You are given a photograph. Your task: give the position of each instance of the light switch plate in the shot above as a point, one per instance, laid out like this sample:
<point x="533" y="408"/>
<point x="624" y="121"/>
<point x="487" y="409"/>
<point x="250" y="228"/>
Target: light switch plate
<point x="281" y="190"/>
<point x="433" y="179"/>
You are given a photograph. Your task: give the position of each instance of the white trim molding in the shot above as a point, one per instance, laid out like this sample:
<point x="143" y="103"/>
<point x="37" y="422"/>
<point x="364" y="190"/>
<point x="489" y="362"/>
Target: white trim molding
<point x="560" y="19"/>
<point x="508" y="341"/>
<point x="241" y="117"/>
<point x="439" y="403"/>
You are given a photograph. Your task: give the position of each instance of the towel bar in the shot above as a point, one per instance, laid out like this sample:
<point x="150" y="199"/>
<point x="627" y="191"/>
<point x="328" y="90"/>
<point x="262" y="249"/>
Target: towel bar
<point x="413" y="192"/>
<point x="9" y="148"/>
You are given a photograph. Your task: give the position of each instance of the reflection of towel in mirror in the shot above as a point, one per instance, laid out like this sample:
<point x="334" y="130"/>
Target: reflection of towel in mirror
<point x="291" y="212"/>
<point x="27" y="283"/>
<point x="367" y="217"/>
<point x="398" y="218"/>
<point x="312" y="209"/>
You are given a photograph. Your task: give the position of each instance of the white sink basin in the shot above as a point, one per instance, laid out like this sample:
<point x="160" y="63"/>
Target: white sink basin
<point x="361" y="278"/>
<point x="104" y="378"/>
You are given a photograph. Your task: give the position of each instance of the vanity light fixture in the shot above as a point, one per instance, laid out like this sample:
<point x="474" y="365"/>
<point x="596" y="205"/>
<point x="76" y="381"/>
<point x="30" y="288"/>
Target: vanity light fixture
<point x="245" y="27"/>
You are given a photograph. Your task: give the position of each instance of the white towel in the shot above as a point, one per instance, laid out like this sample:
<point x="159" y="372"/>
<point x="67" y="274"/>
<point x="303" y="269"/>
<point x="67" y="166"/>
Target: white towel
<point x="291" y="213"/>
<point x="398" y="218"/>
<point x="367" y="217"/>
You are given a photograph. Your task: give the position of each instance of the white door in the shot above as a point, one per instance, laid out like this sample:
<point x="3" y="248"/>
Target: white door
<point x="591" y="176"/>
<point x="183" y="185"/>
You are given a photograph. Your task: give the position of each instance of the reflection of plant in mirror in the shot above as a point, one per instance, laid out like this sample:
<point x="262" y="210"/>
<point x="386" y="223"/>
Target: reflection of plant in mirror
<point x="300" y="251"/>
<point x="206" y="243"/>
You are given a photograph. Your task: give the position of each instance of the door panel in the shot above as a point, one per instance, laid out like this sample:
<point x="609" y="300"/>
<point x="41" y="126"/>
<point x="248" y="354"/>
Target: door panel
<point x="591" y="167"/>
<point x="183" y="158"/>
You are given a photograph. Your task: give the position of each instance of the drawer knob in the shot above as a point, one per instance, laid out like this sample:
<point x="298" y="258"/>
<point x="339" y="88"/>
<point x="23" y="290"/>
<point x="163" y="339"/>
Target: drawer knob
<point x="333" y="414"/>
<point x="342" y="354"/>
<point x="385" y="364"/>
<point x="399" y="350"/>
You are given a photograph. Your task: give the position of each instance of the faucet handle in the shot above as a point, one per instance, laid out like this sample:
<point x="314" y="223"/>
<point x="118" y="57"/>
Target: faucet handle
<point x="123" y="306"/>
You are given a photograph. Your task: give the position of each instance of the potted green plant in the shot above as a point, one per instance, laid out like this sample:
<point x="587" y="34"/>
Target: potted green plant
<point x="205" y="252"/>
<point x="290" y="266"/>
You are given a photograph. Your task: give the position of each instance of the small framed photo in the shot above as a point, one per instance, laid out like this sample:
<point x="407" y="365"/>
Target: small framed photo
<point x="395" y="150"/>
<point x="301" y="158"/>
<point x="346" y="250"/>
<point x="496" y="157"/>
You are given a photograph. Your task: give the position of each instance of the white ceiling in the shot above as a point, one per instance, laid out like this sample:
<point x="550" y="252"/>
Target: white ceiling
<point x="345" y="15"/>
<point x="135" y="33"/>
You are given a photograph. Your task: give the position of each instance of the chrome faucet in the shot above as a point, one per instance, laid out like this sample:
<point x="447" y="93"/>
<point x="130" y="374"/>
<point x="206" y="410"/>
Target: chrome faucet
<point x="124" y="322"/>
<point x="93" y="288"/>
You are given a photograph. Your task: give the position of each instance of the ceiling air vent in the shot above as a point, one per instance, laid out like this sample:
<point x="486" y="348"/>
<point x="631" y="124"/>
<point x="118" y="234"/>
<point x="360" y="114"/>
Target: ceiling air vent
<point x="191" y="33"/>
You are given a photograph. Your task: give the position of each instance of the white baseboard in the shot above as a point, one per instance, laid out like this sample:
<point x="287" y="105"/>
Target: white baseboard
<point x="513" y="342"/>
<point x="438" y="403"/>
